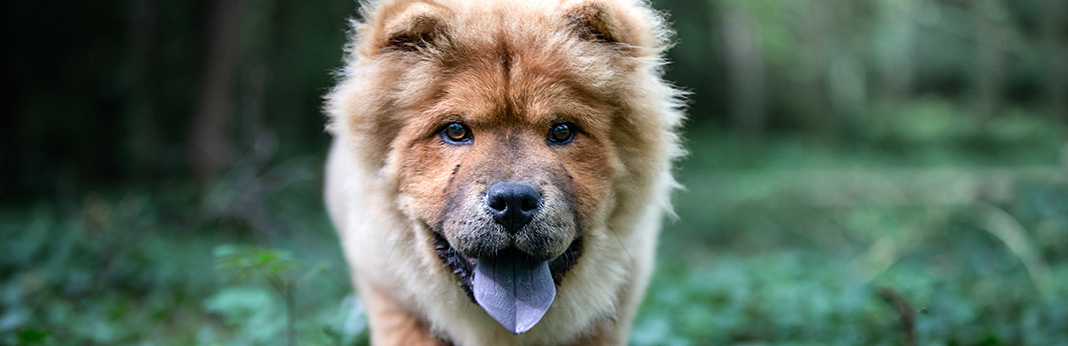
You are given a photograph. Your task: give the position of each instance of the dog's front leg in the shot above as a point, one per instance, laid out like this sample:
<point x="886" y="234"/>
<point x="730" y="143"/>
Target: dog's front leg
<point x="392" y="324"/>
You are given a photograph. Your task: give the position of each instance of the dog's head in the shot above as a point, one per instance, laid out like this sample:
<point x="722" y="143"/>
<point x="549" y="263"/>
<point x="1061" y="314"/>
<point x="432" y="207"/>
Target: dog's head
<point x="504" y="127"/>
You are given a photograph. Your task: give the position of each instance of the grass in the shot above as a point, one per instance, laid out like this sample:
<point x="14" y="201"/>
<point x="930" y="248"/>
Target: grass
<point x="801" y="242"/>
<point x="888" y="239"/>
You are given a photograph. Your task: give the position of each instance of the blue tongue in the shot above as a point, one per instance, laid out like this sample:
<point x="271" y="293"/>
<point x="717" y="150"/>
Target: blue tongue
<point x="515" y="292"/>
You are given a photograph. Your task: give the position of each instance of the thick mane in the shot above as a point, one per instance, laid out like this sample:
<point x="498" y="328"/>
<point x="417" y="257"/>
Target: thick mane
<point x="407" y="203"/>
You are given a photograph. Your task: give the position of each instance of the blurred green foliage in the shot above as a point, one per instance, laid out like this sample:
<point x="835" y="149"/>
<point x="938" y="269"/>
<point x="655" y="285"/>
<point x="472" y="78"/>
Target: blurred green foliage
<point x="789" y="246"/>
<point x="860" y="173"/>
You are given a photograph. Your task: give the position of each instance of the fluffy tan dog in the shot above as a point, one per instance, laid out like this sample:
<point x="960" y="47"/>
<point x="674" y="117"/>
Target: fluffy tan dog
<point x="500" y="168"/>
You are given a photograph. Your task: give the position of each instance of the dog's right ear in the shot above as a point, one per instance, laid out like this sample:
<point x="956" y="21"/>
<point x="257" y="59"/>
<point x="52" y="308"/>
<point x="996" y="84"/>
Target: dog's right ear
<point x="409" y="26"/>
<point x="625" y="25"/>
<point x="595" y="21"/>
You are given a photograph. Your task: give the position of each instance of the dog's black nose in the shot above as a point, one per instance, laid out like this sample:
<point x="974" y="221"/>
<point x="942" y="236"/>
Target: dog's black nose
<point x="512" y="205"/>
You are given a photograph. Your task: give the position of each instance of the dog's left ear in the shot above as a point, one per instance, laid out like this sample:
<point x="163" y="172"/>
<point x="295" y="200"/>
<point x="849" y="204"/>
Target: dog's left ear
<point x="412" y="27"/>
<point x="624" y="24"/>
<point x="407" y="27"/>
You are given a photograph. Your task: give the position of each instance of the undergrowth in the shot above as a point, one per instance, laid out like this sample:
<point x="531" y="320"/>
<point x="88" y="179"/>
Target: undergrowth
<point x="785" y="241"/>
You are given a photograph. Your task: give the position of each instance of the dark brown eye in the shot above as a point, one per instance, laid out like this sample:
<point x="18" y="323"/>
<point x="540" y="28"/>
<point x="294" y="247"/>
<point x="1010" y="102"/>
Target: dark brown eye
<point x="561" y="133"/>
<point x="456" y="133"/>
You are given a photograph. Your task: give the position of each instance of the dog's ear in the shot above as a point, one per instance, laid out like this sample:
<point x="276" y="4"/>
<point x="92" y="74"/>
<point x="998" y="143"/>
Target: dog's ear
<point x="623" y="24"/>
<point x="594" y="21"/>
<point x="410" y="27"/>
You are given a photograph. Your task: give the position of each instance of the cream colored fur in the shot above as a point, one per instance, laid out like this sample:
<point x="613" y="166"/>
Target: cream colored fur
<point x="389" y="249"/>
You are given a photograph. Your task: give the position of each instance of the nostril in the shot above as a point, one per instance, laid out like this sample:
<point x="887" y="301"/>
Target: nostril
<point x="529" y="204"/>
<point x="497" y="203"/>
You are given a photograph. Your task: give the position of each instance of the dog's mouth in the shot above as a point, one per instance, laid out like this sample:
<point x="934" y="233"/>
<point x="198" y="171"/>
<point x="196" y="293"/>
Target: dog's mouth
<point x="513" y="288"/>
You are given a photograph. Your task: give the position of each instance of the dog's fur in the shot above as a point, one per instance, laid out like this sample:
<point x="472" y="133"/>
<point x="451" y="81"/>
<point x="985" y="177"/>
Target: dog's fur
<point x="408" y="204"/>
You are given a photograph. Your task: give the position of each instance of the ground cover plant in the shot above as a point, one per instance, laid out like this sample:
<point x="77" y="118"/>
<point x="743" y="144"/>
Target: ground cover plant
<point x="787" y="241"/>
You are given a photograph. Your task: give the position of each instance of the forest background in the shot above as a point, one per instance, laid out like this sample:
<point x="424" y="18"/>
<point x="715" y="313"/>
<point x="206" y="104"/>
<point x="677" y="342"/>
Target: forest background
<point x="885" y="172"/>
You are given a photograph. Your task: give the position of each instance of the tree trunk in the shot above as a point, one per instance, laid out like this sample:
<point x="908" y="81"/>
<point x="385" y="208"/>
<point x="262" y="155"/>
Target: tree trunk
<point x="745" y="68"/>
<point x="146" y="95"/>
<point x="209" y="144"/>
<point x="1054" y="26"/>
<point x="989" y="74"/>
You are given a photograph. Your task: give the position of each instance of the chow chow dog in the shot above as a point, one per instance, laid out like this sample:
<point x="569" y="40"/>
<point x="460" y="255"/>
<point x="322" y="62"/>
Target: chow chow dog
<point x="500" y="168"/>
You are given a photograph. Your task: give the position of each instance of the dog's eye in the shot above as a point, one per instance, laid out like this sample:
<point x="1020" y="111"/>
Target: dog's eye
<point x="456" y="133"/>
<point x="561" y="133"/>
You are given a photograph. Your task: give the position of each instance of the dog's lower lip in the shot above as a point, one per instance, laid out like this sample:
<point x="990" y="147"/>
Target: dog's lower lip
<point x="511" y="252"/>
